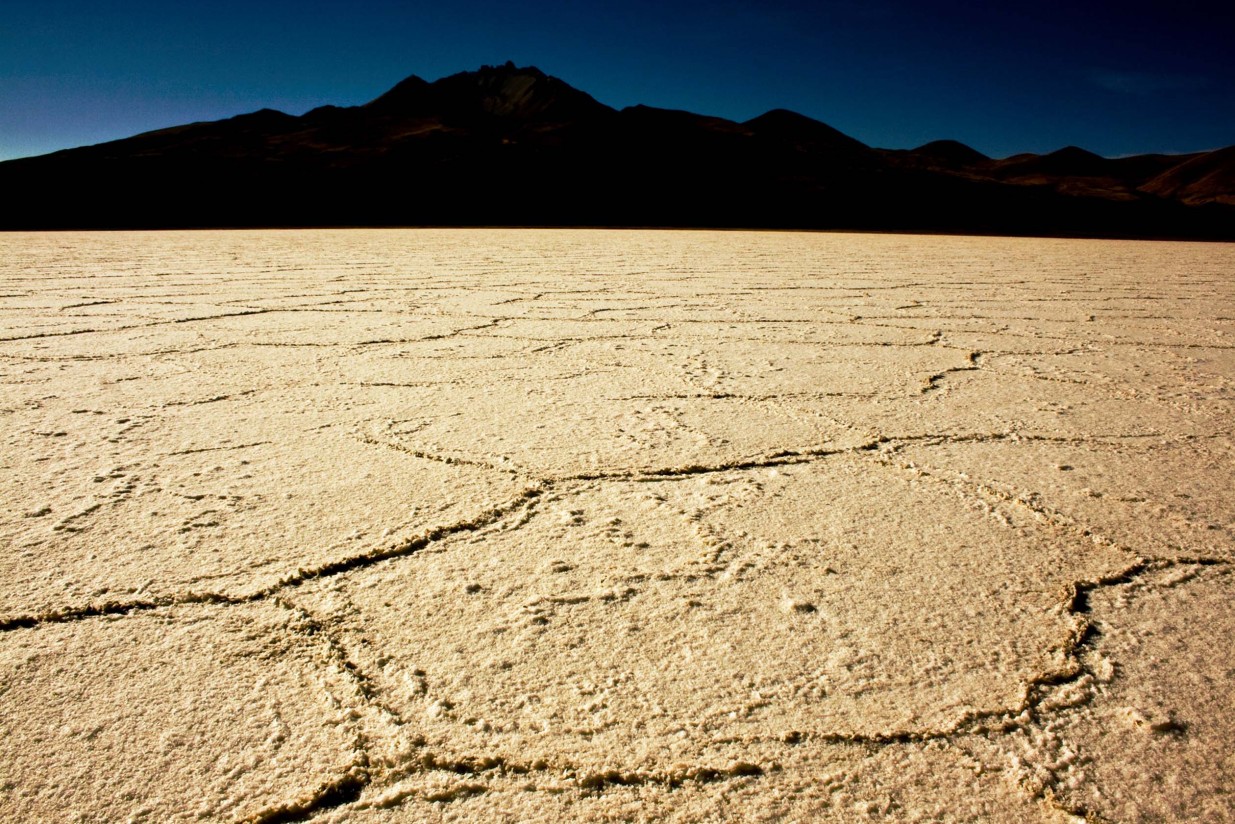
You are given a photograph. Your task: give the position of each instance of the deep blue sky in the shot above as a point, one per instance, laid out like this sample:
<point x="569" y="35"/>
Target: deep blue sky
<point x="1117" y="78"/>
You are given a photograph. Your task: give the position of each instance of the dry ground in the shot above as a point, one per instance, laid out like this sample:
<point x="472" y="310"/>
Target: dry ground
<point x="368" y="526"/>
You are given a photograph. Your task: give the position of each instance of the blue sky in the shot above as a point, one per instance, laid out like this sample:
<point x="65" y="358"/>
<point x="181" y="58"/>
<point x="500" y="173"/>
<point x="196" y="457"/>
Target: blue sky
<point x="1117" y="78"/>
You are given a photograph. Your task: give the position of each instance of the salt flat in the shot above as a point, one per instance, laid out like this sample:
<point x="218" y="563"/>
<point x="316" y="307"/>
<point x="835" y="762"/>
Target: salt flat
<point x="375" y="526"/>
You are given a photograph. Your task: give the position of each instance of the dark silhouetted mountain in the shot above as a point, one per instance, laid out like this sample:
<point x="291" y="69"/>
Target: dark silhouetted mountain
<point x="1205" y="178"/>
<point x="513" y="146"/>
<point x="1069" y="161"/>
<point x="951" y="154"/>
<point x="808" y="136"/>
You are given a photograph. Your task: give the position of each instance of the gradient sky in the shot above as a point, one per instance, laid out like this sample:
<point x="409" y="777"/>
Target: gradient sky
<point x="1116" y="78"/>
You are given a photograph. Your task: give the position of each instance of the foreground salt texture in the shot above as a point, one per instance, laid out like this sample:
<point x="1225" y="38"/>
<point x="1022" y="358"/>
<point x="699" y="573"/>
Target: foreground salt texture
<point x="376" y="526"/>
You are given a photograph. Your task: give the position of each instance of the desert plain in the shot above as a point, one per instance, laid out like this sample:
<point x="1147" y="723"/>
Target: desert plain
<point x="416" y="525"/>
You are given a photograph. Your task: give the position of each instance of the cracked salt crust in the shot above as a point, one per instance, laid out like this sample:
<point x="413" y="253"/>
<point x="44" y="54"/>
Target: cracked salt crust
<point x="418" y="525"/>
<point x="225" y="504"/>
<point x="198" y="712"/>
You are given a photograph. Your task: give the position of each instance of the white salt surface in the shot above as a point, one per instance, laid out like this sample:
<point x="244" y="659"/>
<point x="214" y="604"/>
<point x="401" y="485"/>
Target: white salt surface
<point x="369" y="526"/>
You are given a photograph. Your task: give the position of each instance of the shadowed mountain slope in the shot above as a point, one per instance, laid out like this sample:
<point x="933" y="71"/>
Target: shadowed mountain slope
<point x="513" y="146"/>
<point x="1205" y="178"/>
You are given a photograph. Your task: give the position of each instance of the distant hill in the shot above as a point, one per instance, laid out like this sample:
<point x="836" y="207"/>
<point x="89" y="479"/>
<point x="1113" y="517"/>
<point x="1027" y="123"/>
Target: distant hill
<point x="1204" y="178"/>
<point x="951" y="155"/>
<point x="506" y="145"/>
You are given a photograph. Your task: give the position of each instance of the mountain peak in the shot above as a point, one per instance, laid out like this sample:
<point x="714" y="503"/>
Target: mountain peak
<point x="950" y="152"/>
<point x="783" y="116"/>
<point x="1073" y="160"/>
<point x="406" y="96"/>
<point x="1075" y="154"/>
<point x="522" y="92"/>
<point x="504" y="91"/>
<point x="783" y="124"/>
<point x="508" y="68"/>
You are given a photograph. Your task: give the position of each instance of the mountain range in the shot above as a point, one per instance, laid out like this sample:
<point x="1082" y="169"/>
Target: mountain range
<point x="507" y="145"/>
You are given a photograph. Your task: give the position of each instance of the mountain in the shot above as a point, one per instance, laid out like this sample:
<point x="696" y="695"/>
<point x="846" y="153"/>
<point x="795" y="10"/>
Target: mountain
<point x="808" y="136"/>
<point x="507" y="145"/>
<point x="1205" y="178"/>
<point x="940" y="155"/>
